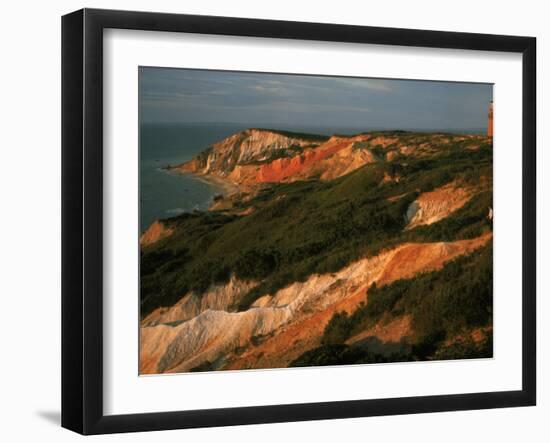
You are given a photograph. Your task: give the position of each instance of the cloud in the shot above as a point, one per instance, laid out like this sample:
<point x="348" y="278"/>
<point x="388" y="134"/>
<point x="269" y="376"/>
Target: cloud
<point x="368" y="84"/>
<point x="311" y="108"/>
<point x="224" y="96"/>
<point x="266" y="89"/>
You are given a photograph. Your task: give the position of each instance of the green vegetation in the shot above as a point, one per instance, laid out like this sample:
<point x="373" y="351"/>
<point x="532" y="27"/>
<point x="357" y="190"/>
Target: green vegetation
<point x="332" y="355"/>
<point x="301" y="135"/>
<point x="202" y="158"/>
<point x="442" y="304"/>
<point x="360" y="353"/>
<point x="301" y="228"/>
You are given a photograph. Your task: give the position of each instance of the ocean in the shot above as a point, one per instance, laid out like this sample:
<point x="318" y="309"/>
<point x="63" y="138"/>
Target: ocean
<point x="166" y="194"/>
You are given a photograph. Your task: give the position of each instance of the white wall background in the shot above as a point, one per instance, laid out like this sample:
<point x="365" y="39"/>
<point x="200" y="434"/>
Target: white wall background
<point x="30" y="219"/>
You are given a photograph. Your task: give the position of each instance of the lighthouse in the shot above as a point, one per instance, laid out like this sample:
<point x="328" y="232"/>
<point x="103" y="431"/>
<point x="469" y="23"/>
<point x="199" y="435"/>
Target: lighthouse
<point x="490" y="122"/>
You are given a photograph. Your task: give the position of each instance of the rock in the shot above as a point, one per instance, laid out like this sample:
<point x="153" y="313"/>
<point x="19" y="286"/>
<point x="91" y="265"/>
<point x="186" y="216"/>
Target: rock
<point x="157" y="231"/>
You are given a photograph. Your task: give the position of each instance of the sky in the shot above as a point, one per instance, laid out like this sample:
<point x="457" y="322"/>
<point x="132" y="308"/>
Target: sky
<point x="169" y="95"/>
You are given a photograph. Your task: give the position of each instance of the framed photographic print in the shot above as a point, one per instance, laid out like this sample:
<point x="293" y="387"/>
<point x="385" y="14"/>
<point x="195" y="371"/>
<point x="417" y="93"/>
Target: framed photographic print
<point x="269" y="221"/>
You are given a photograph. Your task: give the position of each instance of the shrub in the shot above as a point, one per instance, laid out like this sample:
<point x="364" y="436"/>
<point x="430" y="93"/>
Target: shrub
<point x="301" y="228"/>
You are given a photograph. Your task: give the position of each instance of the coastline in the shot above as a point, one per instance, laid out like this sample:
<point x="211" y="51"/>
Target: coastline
<point x="217" y="186"/>
<point x="228" y="188"/>
<point x="221" y="185"/>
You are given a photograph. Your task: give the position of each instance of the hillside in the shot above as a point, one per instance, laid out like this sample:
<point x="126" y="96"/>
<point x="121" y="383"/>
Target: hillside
<point x="248" y="147"/>
<point x="324" y="255"/>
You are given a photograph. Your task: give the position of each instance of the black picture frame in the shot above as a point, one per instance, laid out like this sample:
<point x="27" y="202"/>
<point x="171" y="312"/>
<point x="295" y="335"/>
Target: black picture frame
<point x="82" y="218"/>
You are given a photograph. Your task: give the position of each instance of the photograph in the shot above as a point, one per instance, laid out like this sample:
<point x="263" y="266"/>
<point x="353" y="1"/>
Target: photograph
<point x="292" y="220"/>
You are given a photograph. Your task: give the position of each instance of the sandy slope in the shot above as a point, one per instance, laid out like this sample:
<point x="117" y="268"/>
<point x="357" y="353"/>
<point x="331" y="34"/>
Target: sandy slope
<point x="435" y="205"/>
<point x="155" y="232"/>
<point x="279" y="327"/>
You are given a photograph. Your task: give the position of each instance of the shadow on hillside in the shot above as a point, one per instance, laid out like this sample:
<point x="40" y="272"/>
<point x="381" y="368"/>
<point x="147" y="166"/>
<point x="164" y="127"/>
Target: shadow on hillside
<point x="376" y="346"/>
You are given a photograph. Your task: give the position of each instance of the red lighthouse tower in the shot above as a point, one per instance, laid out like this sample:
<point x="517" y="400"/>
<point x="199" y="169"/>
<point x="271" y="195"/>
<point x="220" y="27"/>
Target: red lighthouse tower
<point x="490" y="122"/>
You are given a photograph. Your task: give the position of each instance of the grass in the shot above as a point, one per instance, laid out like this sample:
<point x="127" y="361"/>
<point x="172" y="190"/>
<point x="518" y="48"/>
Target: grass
<point x="301" y="228"/>
<point x="442" y="304"/>
<point x="447" y="301"/>
<point x="301" y="135"/>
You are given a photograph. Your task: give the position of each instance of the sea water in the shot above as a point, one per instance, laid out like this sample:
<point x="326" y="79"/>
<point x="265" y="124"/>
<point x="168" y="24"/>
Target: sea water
<point x="165" y="194"/>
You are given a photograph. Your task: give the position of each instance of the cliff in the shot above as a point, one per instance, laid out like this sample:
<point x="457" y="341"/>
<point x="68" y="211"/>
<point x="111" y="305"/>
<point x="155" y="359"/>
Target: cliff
<point x="307" y="164"/>
<point x="248" y="147"/>
<point x="435" y="205"/>
<point x="342" y="256"/>
<point x="254" y="157"/>
<point x="291" y="320"/>
<point x="155" y="232"/>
